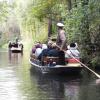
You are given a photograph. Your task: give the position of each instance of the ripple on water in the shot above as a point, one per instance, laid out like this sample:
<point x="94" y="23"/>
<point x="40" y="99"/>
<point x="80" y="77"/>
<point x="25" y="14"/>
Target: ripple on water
<point x="8" y="85"/>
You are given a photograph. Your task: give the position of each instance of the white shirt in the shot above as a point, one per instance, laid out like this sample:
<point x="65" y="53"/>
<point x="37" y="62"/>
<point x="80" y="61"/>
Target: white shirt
<point x="44" y="46"/>
<point x="72" y="52"/>
<point x="38" y="52"/>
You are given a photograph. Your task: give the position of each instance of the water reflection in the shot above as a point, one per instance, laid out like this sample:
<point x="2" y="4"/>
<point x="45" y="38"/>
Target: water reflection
<point x="9" y="82"/>
<point x="58" y="87"/>
<point x="15" y="58"/>
<point x="19" y="82"/>
<point x="8" y="85"/>
<point x="72" y="90"/>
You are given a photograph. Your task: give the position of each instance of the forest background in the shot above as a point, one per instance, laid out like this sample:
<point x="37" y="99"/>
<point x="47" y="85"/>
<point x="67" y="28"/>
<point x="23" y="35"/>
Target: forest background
<point x="35" y="20"/>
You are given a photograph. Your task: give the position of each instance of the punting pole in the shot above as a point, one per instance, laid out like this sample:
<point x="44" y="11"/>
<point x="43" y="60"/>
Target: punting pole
<point x="96" y="74"/>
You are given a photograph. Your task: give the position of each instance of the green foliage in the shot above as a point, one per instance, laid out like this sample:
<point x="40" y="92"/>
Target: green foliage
<point x="96" y="61"/>
<point x="5" y="13"/>
<point x="5" y="9"/>
<point x="82" y="21"/>
<point x="94" y="13"/>
<point x="73" y="22"/>
<point x="44" y="9"/>
<point x="29" y="24"/>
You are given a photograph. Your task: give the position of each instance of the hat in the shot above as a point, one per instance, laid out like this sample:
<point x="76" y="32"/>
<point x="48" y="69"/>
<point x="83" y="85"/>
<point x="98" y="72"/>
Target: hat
<point x="60" y="24"/>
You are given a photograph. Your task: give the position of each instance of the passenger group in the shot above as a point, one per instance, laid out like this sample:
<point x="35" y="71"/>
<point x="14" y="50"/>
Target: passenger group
<point x="56" y="49"/>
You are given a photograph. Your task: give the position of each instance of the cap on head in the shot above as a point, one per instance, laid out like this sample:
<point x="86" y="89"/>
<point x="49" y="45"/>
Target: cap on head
<point x="60" y="24"/>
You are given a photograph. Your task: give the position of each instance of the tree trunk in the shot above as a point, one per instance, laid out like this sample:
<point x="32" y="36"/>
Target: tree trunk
<point x="75" y="3"/>
<point x="69" y="5"/>
<point x="49" y="27"/>
<point x="85" y="2"/>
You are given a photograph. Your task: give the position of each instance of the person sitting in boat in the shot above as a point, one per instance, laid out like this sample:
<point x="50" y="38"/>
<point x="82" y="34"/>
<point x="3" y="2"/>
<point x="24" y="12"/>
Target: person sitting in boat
<point x="21" y="45"/>
<point x="16" y="44"/>
<point x="10" y="44"/>
<point x="45" y="50"/>
<point x="72" y="51"/>
<point x="39" y="50"/>
<point x="55" y="52"/>
<point x="37" y="45"/>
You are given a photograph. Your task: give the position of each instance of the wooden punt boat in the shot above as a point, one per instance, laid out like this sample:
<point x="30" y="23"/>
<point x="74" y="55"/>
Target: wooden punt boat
<point x="72" y="67"/>
<point x="15" y="48"/>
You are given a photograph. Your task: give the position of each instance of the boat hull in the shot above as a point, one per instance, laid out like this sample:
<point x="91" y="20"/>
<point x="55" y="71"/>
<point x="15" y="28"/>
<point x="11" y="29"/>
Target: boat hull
<point x="16" y="49"/>
<point x="58" y="69"/>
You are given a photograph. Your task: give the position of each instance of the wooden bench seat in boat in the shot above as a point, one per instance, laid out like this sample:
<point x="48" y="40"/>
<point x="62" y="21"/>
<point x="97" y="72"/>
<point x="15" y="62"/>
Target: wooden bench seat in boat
<point x="48" y="59"/>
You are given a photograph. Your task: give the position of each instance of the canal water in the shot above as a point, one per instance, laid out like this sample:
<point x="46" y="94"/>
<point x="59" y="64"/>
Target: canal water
<point x="19" y="81"/>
